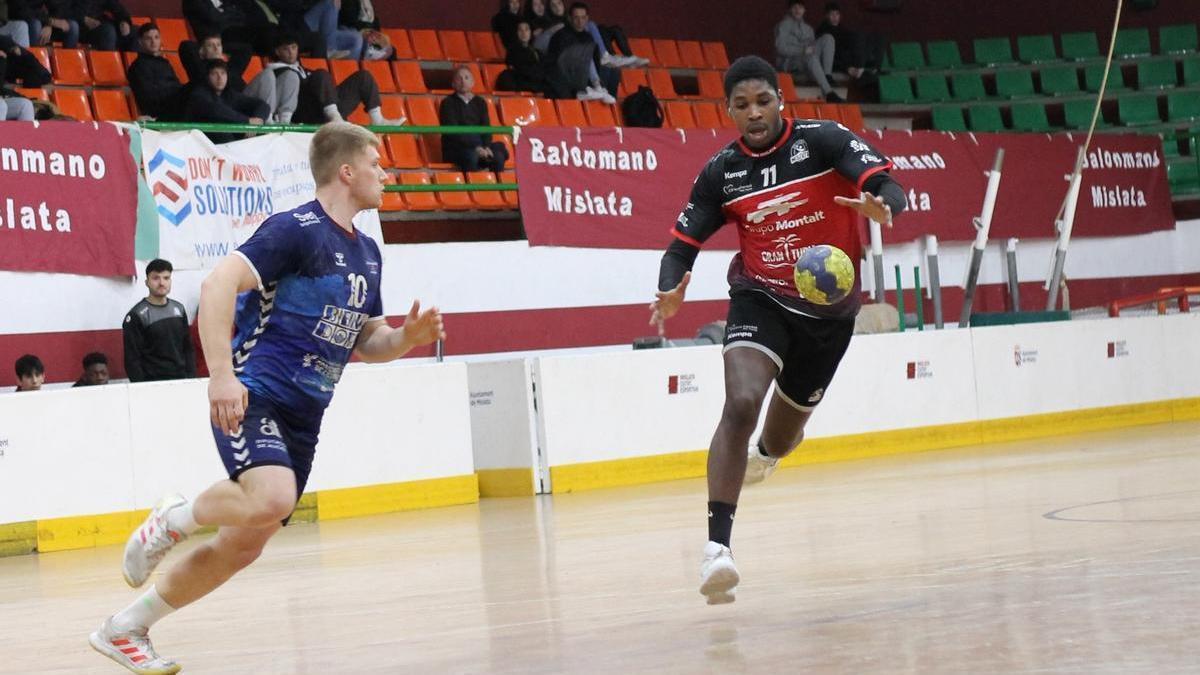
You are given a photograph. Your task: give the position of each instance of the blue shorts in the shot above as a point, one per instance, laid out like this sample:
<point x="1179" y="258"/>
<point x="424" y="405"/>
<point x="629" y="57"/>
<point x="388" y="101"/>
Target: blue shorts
<point x="270" y="437"/>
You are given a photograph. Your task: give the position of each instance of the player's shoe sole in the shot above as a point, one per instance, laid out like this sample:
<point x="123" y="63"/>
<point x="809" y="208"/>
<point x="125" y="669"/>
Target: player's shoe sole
<point x="718" y="575"/>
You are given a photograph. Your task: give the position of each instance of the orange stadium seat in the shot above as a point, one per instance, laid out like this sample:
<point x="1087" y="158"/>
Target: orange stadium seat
<point x="43" y="56"/>
<point x="140" y="20"/>
<point x="70" y="67"/>
<point x="483" y="46"/>
<point x="510" y="197"/>
<point x="491" y="72"/>
<point x="679" y="115"/>
<point x="692" y="54"/>
<point x="313" y="63"/>
<point x="112" y="105"/>
<point x="714" y="53"/>
<point x="828" y="111"/>
<point x="600" y="114"/>
<point x="425" y="45"/>
<point x="422" y="110"/>
<point x="455" y="45"/>
<point x="518" y="111"/>
<point x="393" y="106"/>
<point x="33" y="94"/>
<point x="668" y="53"/>
<point x="358" y="116"/>
<point x="400" y="42"/>
<point x="253" y="68"/>
<point x="631" y="79"/>
<point x="73" y="103"/>
<point x="418" y="201"/>
<point x="485" y="200"/>
<point x="176" y="65"/>
<point x="711" y="84"/>
<point x="173" y="31"/>
<point x="570" y="113"/>
<point x="382" y="71"/>
<point x="803" y="111"/>
<point x="708" y="115"/>
<point x="343" y="68"/>
<point x="409" y="79"/>
<point x="787" y="86"/>
<point x="660" y="82"/>
<point x="385" y="158"/>
<point x="852" y="117"/>
<point x="644" y="47"/>
<point x="392" y="201"/>
<point x="455" y="201"/>
<point x="405" y="151"/>
<point x="547" y="114"/>
<point x="107" y="68"/>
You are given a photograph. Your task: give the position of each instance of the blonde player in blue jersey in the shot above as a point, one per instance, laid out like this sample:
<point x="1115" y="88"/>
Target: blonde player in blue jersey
<point x="303" y="294"/>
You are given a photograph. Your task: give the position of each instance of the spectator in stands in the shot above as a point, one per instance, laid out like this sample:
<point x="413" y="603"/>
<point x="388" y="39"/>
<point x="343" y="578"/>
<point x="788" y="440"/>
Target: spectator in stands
<point x="855" y="54"/>
<point x="527" y="69"/>
<point x="539" y="20"/>
<point x="95" y="370"/>
<point x="106" y="25"/>
<point x="360" y="15"/>
<point x="272" y="18"/>
<point x="470" y="152"/>
<point x="49" y="20"/>
<point x="577" y="56"/>
<point x="13" y="106"/>
<point x="504" y="23"/>
<point x="321" y="16"/>
<point x="546" y="19"/>
<point x="158" y="345"/>
<point x="212" y="100"/>
<point x="13" y="28"/>
<point x="19" y="66"/>
<point x="310" y="97"/>
<point x="155" y="86"/>
<point x="227" y="18"/>
<point x="30" y="373"/>
<point x="801" y="53"/>
<point x="194" y="53"/>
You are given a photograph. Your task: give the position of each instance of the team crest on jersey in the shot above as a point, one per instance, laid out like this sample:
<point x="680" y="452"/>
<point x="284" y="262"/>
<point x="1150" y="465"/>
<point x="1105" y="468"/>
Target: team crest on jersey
<point x="339" y="259"/>
<point x="307" y="218"/>
<point x="799" y="151"/>
<point x="779" y="206"/>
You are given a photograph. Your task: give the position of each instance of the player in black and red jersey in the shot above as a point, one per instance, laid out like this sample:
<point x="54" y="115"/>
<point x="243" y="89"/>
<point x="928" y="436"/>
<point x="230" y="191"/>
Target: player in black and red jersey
<point x="786" y="184"/>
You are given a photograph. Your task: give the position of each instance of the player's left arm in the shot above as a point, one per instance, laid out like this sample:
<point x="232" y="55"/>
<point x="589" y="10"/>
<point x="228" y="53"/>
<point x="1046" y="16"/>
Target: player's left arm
<point x="379" y="342"/>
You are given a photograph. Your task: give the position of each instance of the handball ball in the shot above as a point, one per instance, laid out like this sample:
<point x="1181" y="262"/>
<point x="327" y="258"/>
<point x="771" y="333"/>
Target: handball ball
<point x="824" y="274"/>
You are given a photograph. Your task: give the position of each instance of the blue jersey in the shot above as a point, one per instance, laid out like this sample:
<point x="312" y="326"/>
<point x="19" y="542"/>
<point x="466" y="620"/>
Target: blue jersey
<point x="318" y="286"/>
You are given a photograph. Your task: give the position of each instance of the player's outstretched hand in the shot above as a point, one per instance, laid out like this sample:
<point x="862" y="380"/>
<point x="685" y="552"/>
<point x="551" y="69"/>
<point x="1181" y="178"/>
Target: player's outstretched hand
<point x="422" y="328"/>
<point x="870" y="206"/>
<point x="227" y="401"/>
<point x="667" y="303"/>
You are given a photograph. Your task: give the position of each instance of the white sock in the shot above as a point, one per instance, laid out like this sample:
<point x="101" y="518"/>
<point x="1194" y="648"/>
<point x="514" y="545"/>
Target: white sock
<point x="285" y="117"/>
<point x="180" y="519"/>
<point x="143" y="613"/>
<point x="376" y="115"/>
<point x="332" y="114"/>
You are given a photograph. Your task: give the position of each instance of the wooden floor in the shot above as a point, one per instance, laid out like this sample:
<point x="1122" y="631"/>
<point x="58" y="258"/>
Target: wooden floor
<point x="1069" y="555"/>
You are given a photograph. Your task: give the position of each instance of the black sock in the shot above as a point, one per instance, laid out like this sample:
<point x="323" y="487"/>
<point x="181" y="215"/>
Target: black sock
<point x="720" y="521"/>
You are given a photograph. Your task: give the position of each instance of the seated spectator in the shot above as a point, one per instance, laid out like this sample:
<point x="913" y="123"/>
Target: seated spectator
<point x="855" y="54"/>
<point x="19" y="66"/>
<point x="469" y="152"/>
<point x="50" y="20"/>
<point x="297" y="95"/>
<point x="156" y="88"/>
<point x="360" y="15"/>
<point x="12" y="27"/>
<point x="546" y="19"/>
<point x="322" y="17"/>
<point x="527" y="69"/>
<point x="271" y="18"/>
<point x="504" y="23"/>
<point x="226" y="18"/>
<point x="539" y="20"/>
<point x="212" y="100"/>
<point x="106" y="25"/>
<point x="30" y="373"/>
<point x="13" y="106"/>
<point x="158" y="345"/>
<point x="607" y="37"/>
<point x="95" y="370"/>
<point x="577" y="55"/>
<point x="801" y="53"/>
<point x="194" y="54"/>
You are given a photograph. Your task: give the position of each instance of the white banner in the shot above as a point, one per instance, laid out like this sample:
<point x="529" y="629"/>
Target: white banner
<point x="211" y="198"/>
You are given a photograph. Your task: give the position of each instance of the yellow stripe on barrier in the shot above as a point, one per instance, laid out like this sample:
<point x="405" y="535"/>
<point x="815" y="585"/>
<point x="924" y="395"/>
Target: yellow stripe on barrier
<point x="632" y="471"/>
<point x="63" y="534"/>
<point x="375" y="499"/>
<point x="505" y="482"/>
<point x="18" y="538"/>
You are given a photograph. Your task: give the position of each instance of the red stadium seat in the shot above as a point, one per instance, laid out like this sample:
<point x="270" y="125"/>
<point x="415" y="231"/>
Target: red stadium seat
<point x="600" y="114"/>
<point x="787" y="87"/>
<point x="483" y="46"/>
<point x="455" y="46"/>
<point x="714" y="53"/>
<point x="400" y="42"/>
<point x="173" y="31"/>
<point x="518" y="111"/>
<point x="112" y="105"/>
<point x="418" y="201"/>
<point x="38" y="94"/>
<point x="692" y="54"/>
<point x="708" y="115"/>
<point x="343" y="68"/>
<point x="71" y="67"/>
<point x="661" y="83"/>
<point x="679" y="115"/>
<point x="547" y="114"/>
<point x="510" y="197"/>
<point x="631" y="79"/>
<point x="491" y="72"/>
<point x="803" y="111"/>
<point x="107" y="68"/>
<point x="392" y="201"/>
<point x="409" y="79"/>
<point x="253" y="68"/>
<point x="405" y="151"/>
<point x="425" y="45"/>
<point x="73" y="103"/>
<point x="43" y="57"/>
<point x="711" y="83"/>
<point x="668" y="53"/>
<point x="570" y="113"/>
<point x="486" y="200"/>
<point x="644" y="47"/>
<point x="313" y="63"/>
<point x="382" y="72"/>
<point x="454" y="201"/>
<point x="852" y="117"/>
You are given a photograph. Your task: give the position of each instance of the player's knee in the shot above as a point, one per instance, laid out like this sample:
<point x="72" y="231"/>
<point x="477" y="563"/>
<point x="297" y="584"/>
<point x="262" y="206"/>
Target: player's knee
<point x="272" y="508"/>
<point x="741" y="409"/>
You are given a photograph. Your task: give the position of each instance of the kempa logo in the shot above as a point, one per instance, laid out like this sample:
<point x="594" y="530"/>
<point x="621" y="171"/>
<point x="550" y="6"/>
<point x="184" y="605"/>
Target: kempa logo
<point x="780" y="206"/>
<point x="169" y="183"/>
<point x="736" y="174"/>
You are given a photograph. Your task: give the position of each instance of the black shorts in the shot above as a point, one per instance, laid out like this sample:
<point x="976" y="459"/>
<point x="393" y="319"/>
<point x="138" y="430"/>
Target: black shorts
<point x="269" y="437"/>
<point x="806" y="349"/>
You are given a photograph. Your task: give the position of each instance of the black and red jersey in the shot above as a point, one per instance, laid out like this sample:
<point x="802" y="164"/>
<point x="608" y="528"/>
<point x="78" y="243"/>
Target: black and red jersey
<point x="782" y="202"/>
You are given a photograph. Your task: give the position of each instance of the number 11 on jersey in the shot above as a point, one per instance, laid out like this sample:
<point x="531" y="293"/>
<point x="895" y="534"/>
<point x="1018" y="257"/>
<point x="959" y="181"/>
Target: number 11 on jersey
<point x="769" y="176"/>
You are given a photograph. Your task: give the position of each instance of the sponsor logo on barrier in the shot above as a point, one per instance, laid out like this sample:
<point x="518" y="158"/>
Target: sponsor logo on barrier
<point x="169" y="184"/>
<point x="682" y="384"/>
<point x="1023" y="356"/>
<point x="482" y="398"/>
<point x="3" y="447"/>
<point x="1117" y="349"/>
<point x="919" y="370"/>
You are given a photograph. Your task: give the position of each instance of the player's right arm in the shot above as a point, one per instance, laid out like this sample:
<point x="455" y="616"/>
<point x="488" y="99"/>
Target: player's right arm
<point x="227" y="397"/>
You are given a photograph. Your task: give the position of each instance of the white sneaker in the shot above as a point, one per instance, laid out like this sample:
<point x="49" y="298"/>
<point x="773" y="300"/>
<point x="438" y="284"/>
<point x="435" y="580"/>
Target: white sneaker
<point x="607" y="97"/>
<point x="718" y="575"/>
<point x="758" y="467"/>
<point x="639" y="61"/>
<point x="132" y="650"/>
<point x="149" y="543"/>
<point x="611" y="61"/>
<point x="591" y="94"/>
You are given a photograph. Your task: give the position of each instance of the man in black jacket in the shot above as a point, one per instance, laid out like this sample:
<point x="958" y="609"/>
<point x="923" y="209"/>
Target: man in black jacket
<point x="211" y="100"/>
<point x="575" y="52"/>
<point x="470" y="152"/>
<point x="158" y="345"/>
<point x="19" y="66"/>
<point x="105" y="25"/>
<point x="155" y="86"/>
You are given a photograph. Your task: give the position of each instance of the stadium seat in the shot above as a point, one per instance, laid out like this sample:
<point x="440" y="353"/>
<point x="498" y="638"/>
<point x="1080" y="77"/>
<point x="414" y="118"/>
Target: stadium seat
<point x="547" y="113"/>
<point x="1059" y="80"/>
<point x="425" y="45"/>
<point x="993" y="51"/>
<point x="43" y="56"/>
<point x="1036" y="48"/>
<point x="667" y="52"/>
<point x="804" y="111"/>
<point x="708" y="115"/>
<point x="314" y="63"/>
<point x="631" y="79"/>
<point x="967" y="87"/>
<point x="409" y="79"/>
<point x="787" y="86"/>
<point x="1132" y="42"/>
<point x="343" y="68"/>
<point x="491" y="74"/>
<point x="1191" y="71"/>
<point x="944" y="54"/>
<point x="401" y="42"/>
<point x="932" y="88"/>
<point x="382" y="71"/>
<point x="510" y="196"/>
<point x="679" y="115"/>
<point x="1093" y="74"/>
<point x="483" y="46"/>
<point x="518" y="111"/>
<point x="1183" y="106"/>
<point x="1017" y="83"/>
<point x="33" y="94"/>
<point x="404" y="150"/>
<point x="1079" y="46"/>
<point x="828" y="111"/>
<point x="1138" y="110"/>
<point x="176" y="65"/>
<point x="1184" y="176"/>
<point x="1030" y="117"/>
<point x="392" y="201"/>
<point x="570" y="112"/>
<point x="454" y="201"/>
<point x="253" y="67"/>
<point x="485" y="200"/>
<point x="1170" y="144"/>
<point x="710" y="84"/>
<point x="907" y="56"/>
<point x="107" y="68"/>
<point x="111" y="105"/>
<point x="714" y="53"/>
<point x="852" y="117"/>
<point x="644" y="47"/>
<point x="173" y="32"/>
<point x="73" y="103"/>
<point x="948" y="118"/>
<point x="600" y="114"/>
<point x="691" y="52"/>
<point x="661" y="83"/>
<point x="985" y="117"/>
<point x="455" y="46"/>
<point x="1178" y="39"/>
<point x="1078" y="114"/>
<point x="422" y="110"/>
<point x="418" y="201"/>
<point x="1156" y="73"/>
<point x="896" y="88"/>
<point x="70" y="67"/>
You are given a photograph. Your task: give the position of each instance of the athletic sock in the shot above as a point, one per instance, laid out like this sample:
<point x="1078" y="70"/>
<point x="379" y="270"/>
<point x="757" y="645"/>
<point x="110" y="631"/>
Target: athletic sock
<point x="180" y="519"/>
<point x="143" y="613"/>
<point x="762" y="450"/>
<point x="332" y="113"/>
<point x="720" y="521"/>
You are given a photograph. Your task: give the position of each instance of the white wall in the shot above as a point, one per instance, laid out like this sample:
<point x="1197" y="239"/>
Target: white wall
<point x="502" y="414"/>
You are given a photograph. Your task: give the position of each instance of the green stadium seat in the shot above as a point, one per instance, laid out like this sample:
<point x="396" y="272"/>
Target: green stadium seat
<point x="1059" y="80"/>
<point x="1170" y="144"/>
<point x="1156" y="73"/>
<point x="1132" y="42"/>
<point x="1030" y="117"/>
<point x="993" y="51"/>
<point x="907" y="56"/>
<point x="944" y="54"/>
<point x="887" y="61"/>
<point x="1080" y="46"/>
<point x="1014" y="83"/>
<point x="985" y="117"/>
<point x="1094" y="73"/>
<point x="895" y="89"/>
<point x="967" y="87"/>
<point x="932" y="88"/>
<point x="1078" y="114"/>
<point x="1184" y="176"/>
<point x="1036" y="48"/>
<point x="1177" y="39"/>
<point x="1183" y="106"/>
<point x="1138" y="110"/>
<point x="1191" y="71"/>
<point x="948" y="118"/>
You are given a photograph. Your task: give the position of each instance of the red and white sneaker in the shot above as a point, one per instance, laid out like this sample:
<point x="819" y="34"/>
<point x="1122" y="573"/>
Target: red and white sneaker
<point x="131" y="649"/>
<point x="149" y="543"/>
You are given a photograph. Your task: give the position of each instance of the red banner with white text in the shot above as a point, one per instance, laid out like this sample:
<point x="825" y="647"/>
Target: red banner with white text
<point x="624" y="188"/>
<point x="68" y="198"/>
